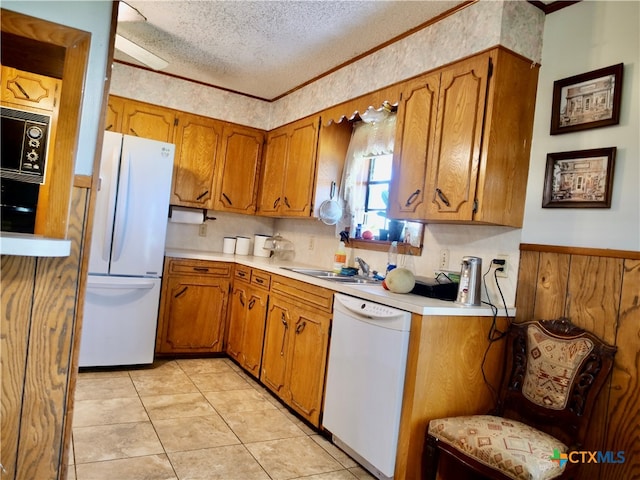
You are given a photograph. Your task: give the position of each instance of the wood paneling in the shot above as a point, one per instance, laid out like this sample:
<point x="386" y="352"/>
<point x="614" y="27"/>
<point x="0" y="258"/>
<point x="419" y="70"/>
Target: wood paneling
<point x="623" y="418"/>
<point x="39" y="298"/>
<point x="16" y="284"/>
<point x="598" y="290"/>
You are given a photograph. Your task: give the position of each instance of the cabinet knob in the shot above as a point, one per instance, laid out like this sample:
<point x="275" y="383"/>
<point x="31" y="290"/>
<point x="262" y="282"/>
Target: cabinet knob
<point x="227" y="198"/>
<point x="300" y="327"/>
<point x="275" y="204"/>
<point x="286" y="202"/>
<point x="199" y="197"/>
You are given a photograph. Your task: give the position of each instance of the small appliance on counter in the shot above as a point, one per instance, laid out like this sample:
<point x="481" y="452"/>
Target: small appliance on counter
<point x="469" y="288"/>
<point x="442" y="287"/>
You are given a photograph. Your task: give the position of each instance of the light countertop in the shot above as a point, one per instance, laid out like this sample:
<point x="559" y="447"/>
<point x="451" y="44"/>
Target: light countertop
<point x="26" y="245"/>
<point x="373" y="292"/>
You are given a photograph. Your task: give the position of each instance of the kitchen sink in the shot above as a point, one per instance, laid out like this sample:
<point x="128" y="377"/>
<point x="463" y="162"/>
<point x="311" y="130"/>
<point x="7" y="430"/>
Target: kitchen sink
<point x="334" y="277"/>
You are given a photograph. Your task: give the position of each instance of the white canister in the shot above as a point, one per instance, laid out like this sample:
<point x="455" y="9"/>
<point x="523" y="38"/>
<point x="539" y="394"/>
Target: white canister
<point x="243" y="245"/>
<point x="229" y="245"/>
<point x="258" y="246"/>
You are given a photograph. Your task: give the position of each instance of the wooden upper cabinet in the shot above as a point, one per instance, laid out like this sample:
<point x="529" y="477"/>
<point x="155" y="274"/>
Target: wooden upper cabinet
<point x="27" y="89"/>
<point x="452" y="168"/>
<point x="115" y="111"/>
<point x="272" y="177"/>
<point x="463" y="142"/>
<point x="333" y="144"/>
<point x="415" y="130"/>
<point x="148" y="121"/>
<point x="197" y="142"/>
<point x="289" y="169"/>
<point x="240" y="155"/>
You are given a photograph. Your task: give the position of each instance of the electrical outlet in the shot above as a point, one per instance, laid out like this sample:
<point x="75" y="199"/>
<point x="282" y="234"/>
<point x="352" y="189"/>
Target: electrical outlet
<point x="203" y="230"/>
<point x="312" y="242"/>
<point x="505" y="268"/>
<point x="444" y="259"/>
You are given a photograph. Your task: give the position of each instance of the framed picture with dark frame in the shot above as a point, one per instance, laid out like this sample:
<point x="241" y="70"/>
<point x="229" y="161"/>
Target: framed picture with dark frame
<point x="588" y="100"/>
<point x="579" y="179"/>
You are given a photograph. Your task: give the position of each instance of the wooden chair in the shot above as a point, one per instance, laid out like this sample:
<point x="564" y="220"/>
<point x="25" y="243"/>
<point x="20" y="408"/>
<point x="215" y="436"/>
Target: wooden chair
<point x="554" y="373"/>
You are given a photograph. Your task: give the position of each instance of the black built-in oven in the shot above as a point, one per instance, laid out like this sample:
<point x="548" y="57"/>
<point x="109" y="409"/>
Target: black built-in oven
<point x="24" y="137"/>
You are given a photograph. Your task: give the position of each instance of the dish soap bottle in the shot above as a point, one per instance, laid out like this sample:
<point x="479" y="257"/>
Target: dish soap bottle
<point x="340" y="258"/>
<point x="392" y="256"/>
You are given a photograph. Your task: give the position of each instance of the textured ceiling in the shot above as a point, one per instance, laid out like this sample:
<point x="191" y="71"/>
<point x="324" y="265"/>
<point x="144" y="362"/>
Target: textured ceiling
<point x="268" y="48"/>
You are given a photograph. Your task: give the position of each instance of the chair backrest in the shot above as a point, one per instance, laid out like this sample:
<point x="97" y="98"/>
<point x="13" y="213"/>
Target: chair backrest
<point x="555" y="371"/>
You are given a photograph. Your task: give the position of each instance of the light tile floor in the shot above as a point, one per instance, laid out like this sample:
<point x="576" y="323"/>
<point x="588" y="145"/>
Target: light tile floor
<point x="195" y="419"/>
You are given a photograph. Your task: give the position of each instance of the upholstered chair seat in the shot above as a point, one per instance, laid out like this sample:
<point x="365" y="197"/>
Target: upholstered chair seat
<point x="514" y="448"/>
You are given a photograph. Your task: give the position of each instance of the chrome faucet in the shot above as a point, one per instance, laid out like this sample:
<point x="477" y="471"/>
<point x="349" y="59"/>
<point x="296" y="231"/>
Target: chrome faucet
<point x="364" y="266"/>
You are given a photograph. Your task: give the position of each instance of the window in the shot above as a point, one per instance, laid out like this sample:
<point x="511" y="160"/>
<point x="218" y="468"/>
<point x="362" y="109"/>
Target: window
<point x="366" y="181"/>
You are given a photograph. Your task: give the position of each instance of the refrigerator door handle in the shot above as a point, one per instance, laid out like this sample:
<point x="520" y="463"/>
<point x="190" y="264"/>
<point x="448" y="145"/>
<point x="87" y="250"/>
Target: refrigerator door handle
<point x="117" y="286"/>
<point x="122" y="208"/>
<point x="111" y="196"/>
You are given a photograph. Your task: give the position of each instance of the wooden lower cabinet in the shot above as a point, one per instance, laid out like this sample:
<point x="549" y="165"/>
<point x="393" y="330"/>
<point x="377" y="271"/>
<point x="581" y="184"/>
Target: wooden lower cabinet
<point x="444" y="378"/>
<point x="296" y="342"/>
<point x="247" y="316"/>
<point x="193" y="306"/>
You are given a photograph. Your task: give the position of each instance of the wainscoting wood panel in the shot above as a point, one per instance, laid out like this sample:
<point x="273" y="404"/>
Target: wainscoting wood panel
<point x="598" y="292"/>
<point x="17" y="280"/>
<point x="623" y="419"/>
<point x="41" y="352"/>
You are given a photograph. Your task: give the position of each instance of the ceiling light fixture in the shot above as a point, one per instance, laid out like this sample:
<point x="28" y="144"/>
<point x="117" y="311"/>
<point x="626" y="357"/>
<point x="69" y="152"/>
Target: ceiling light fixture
<point x="140" y="54"/>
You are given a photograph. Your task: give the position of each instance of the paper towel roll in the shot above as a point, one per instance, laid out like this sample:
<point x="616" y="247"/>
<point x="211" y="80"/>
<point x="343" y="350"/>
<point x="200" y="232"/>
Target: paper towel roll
<point x="258" y="244"/>
<point x="243" y="245"/>
<point x="228" y="245"/>
<point x="186" y="215"/>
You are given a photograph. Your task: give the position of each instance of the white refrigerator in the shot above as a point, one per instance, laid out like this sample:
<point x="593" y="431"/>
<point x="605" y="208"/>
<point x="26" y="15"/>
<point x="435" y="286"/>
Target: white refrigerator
<point x="127" y="252"/>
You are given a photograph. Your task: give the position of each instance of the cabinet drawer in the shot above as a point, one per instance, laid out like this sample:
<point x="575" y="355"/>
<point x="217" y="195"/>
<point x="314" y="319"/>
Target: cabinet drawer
<point x="242" y="273"/>
<point x="199" y="267"/>
<point x="261" y="279"/>
<point x="303" y="294"/>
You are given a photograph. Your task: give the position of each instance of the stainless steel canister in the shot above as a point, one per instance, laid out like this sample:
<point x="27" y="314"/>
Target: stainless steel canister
<point x="469" y="287"/>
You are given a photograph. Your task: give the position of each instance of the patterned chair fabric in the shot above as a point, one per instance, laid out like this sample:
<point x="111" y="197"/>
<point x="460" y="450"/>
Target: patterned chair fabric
<point x="517" y="450"/>
<point x="554" y="371"/>
<point x="552" y="364"/>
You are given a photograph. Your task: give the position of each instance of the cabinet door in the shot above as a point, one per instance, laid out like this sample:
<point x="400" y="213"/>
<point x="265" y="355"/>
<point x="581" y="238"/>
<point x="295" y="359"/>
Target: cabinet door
<point x="29" y="89"/>
<point x="240" y="155"/>
<point x="254" y="326"/>
<point x="193" y="315"/>
<point x="274" y="353"/>
<point x="273" y="172"/>
<point x="307" y="358"/>
<point x="148" y="121"/>
<point x="416" y="122"/>
<point x="452" y="168"/>
<point x="237" y="314"/>
<point x="197" y="142"/>
<point x="300" y="169"/>
<point x="115" y="112"/>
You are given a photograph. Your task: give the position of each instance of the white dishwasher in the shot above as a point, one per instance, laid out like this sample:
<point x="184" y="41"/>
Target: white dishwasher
<point x="365" y="381"/>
